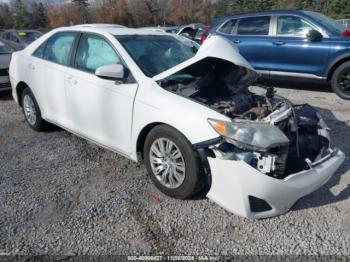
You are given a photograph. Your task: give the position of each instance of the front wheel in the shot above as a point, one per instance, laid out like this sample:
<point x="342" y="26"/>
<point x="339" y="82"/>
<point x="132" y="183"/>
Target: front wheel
<point x="341" y="81"/>
<point x="172" y="163"/>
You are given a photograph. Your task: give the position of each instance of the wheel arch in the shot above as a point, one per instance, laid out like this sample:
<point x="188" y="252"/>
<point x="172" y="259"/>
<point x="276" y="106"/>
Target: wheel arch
<point x="143" y="134"/>
<point x="19" y="91"/>
<point x="142" y="137"/>
<point x="343" y="59"/>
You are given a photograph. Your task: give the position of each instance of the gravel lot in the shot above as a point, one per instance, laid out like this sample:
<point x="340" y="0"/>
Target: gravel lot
<point x="62" y="195"/>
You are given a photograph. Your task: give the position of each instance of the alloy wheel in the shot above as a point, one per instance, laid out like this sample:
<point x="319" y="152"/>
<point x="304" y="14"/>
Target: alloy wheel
<point x="29" y="110"/>
<point x="167" y="163"/>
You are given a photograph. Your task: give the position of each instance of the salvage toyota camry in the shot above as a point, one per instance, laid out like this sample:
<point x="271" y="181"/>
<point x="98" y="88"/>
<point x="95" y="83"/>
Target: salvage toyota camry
<point x="186" y="112"/>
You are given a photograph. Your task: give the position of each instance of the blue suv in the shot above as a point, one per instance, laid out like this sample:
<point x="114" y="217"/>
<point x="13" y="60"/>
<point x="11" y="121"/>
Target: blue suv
<point x="291" y="45"/>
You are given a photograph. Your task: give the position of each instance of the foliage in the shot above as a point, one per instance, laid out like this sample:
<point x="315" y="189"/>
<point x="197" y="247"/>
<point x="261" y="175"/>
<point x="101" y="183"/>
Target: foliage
<point x="134" y="13"/>
<point x="81" y="11"/>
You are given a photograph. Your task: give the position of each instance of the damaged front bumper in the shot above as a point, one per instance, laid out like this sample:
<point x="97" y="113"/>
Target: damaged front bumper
<point x="243" y="190"/>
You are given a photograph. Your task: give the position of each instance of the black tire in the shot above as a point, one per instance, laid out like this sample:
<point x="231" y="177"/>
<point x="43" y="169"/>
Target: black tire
<point x="342" y="71"/>
<point x="39" y="124"/>
<point x="193" y="179"/>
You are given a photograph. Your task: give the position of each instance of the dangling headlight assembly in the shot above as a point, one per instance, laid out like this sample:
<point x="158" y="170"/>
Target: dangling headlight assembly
<point x="250" y="135"/>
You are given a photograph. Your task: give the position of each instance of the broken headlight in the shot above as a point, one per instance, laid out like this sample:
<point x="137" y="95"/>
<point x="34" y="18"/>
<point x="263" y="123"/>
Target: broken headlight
<point x="250" y="135"/>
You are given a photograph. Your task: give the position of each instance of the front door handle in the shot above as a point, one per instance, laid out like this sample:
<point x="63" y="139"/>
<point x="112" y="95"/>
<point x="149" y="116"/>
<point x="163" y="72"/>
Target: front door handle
<point x="237" y="41"/>
<point x="279" y="43"/>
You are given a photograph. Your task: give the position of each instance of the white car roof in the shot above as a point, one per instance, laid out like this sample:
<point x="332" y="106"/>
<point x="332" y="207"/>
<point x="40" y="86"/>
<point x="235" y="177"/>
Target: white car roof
<point x="101" y="25"/>
<point x="112" y="30"/>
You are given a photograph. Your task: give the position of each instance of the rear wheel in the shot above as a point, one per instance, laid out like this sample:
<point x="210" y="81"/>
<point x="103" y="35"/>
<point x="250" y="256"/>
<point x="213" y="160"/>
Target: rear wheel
<point x="341" y="81"/>
<point x="32" y="111"/>
<point x="172" y="163"/>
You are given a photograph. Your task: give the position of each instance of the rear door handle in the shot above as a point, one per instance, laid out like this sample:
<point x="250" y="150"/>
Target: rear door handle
<point x="71" y="80"/>
<point x="279" y="43"/>
<point x="236" y="41"/>
<point x="31" y="66"/>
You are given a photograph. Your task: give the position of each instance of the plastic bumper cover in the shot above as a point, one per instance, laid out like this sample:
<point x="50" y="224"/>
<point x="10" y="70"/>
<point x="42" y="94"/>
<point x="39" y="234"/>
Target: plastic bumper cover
<point x="234" y="182"/>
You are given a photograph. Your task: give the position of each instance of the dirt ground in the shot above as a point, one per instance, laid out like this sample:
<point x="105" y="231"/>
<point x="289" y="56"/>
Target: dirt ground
<point x="62" y="195"/>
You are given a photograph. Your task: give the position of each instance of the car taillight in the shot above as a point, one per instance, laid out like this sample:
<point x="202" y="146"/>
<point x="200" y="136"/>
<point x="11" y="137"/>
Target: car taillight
<point x="346" y="33"/>
<point x="204" y="35"/>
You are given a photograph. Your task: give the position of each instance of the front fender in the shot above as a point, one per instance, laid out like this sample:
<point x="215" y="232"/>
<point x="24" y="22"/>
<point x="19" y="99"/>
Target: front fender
<point x="156" y="105"/>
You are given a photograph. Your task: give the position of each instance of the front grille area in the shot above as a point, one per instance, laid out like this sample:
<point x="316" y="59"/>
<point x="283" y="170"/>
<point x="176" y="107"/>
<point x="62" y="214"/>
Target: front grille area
<point x="258" y="205"/>
<point x="4" y="72"/>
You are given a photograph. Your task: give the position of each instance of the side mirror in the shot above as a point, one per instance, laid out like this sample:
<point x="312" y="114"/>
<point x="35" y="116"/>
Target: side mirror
<point x="314" y="36"/>
<point x="111" y="72"/>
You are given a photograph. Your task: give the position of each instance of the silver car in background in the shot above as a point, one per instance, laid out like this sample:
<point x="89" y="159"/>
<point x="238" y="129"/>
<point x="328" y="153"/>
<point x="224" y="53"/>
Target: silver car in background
<point x="20" y="38"/>
<point x="5" y="57"/>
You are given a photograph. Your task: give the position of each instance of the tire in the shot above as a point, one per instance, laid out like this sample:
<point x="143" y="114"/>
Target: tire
<point x="188" y="180"/>
<point x="32" y="112"/>
<point x="341" y="81"/>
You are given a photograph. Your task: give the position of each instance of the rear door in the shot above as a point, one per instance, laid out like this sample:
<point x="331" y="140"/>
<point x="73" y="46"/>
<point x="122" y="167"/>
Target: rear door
<point x="46" y="68"/>
<point x="293" y="52"/>
<point x="251" y="36"/>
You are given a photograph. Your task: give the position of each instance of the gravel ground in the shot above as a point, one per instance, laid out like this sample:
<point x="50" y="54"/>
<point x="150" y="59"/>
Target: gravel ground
<point x="62" y="195"/>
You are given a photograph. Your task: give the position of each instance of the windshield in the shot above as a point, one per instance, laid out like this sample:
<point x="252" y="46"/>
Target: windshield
<point x="332" y="26"/>
<point x="29" y="37"/>
<point x="5" y="49"/>
<point x="155" y="54"/>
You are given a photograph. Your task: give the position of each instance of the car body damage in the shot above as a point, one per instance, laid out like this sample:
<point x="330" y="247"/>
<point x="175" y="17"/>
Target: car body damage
<point x="271" y="152"/>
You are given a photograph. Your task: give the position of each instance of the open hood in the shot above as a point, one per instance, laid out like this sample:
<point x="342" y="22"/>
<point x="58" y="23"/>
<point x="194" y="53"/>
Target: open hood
<point x="215" y="48"/>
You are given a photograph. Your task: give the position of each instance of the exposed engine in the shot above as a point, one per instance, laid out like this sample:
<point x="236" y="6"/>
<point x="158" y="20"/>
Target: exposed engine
<point x="224" y="87"/>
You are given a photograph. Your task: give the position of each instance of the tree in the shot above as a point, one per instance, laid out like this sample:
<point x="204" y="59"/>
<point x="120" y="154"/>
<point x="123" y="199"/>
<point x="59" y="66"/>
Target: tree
<point x="5" y="19"/>
<point x="60" y="15"/>
<point x="38" y="15"/>
<point x="82" y="10"/>
<point x="113" y="11"/>
<point x="20" y="14"/>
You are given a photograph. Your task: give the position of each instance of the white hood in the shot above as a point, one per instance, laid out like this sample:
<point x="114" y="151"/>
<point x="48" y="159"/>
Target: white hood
<point x="216" y="47"/>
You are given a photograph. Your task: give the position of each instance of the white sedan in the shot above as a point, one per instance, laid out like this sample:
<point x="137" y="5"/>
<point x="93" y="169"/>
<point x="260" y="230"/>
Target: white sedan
<point x="186" y="112"/>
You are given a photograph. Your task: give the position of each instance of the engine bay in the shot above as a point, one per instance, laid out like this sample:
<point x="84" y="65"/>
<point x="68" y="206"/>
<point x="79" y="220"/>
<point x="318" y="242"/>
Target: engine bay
<point x="223" y="87"/>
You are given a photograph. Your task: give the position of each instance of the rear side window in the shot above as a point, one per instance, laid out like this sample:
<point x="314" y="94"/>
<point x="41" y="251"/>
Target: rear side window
<point x="228" y="27"/>
<point x="58" y="47"/>
<point x="293" y="26"/>
<point x="254" y="26"/>
<point x="39" y="52"/>
<point x="94" y="52"/>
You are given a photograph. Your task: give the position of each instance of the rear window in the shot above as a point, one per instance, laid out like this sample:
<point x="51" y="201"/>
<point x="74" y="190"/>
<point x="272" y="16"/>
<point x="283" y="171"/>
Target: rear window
<point x="254" y="26"/>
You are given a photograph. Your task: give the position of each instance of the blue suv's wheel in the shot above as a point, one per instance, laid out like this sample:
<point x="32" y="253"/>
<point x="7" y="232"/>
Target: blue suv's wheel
<point x="341" y="81"/>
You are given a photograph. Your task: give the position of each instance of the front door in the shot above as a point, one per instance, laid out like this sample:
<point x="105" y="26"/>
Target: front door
<point x="100" y="109"/>
<point x="293" y="52"/>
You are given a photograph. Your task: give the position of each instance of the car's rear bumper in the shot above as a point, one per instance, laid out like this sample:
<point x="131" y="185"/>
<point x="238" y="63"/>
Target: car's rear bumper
<point x="236" y="185"/>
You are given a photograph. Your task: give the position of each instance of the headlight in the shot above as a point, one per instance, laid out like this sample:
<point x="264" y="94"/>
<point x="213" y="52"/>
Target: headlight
<point x="250" y="135"/>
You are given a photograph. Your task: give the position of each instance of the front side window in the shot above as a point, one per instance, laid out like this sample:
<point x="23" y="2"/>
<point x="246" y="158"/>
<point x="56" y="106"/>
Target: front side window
<point x="293" y="26"/>
<point x="94" y="52"/>
<point x="155" y="54"/>
<point x="58" y="47"/>
<point x="254" y="26"/>
<point x="227" y="28"/>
